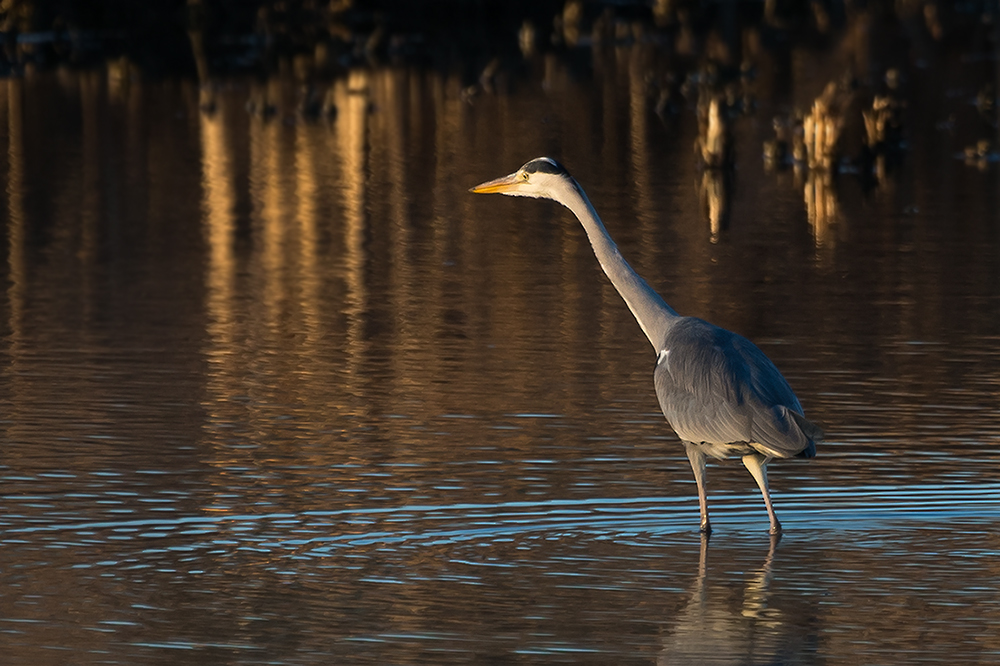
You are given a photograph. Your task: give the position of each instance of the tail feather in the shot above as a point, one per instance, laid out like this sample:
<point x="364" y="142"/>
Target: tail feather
<point x="812" y="431"/>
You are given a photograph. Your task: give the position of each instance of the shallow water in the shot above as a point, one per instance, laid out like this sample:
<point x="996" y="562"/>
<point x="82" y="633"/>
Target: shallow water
<point x="284" y="392"/>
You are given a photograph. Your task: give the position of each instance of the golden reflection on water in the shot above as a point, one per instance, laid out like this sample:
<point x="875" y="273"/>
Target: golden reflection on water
<point x="821" y="206"/>
<point x="12" y="110"/>
<point x="223" y="337"/>
<point x="219" y="224"/>
<point x="359" y="232"/>
<point x="351" y="137"/>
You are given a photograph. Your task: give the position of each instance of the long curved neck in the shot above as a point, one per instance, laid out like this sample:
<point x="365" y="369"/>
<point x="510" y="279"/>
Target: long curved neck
<point x="655" y="317"/>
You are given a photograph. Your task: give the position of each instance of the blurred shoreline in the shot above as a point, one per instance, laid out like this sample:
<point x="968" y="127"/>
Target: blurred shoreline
<point x="220" y="37"/>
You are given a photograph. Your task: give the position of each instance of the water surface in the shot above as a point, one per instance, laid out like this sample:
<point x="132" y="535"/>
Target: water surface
<point x="282" y="391"/>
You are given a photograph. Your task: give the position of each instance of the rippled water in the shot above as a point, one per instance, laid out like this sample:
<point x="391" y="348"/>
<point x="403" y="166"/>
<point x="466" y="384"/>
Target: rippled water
<point x="283" y="392"/>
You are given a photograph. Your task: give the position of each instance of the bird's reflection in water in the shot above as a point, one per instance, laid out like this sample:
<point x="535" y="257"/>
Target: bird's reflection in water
<point x="716" y="626"/>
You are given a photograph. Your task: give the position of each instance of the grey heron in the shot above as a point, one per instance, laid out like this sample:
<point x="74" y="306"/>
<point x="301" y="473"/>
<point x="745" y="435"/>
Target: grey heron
<point x="721" y="394"/>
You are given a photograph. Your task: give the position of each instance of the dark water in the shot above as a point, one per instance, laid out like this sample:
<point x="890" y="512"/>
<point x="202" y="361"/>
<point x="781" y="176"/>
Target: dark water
<point x="278" y="391"/>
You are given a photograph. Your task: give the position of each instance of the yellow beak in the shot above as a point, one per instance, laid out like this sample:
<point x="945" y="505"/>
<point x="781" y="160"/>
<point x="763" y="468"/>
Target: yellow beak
<point x="504" y="184"/>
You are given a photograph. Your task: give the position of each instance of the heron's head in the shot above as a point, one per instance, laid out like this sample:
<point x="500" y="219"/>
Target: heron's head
<point x="541" y="178"/>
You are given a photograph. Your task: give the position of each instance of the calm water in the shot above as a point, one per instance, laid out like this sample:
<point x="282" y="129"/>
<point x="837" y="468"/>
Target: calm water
<point x="284" y="392"/>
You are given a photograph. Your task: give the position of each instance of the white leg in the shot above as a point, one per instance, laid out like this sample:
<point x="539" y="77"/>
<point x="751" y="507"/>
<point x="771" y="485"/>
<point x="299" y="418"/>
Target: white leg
<point x="756" y="464"/>
<point x="697" y="459"/>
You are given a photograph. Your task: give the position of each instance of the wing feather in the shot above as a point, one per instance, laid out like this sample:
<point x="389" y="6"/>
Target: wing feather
<point x="717" y="387"/>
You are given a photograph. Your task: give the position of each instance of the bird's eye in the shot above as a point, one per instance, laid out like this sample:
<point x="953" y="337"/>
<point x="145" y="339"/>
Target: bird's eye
<point x="524" y="175"/>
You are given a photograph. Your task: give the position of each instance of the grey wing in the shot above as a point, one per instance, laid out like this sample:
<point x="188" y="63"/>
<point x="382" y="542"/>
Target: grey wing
<point x="717" y="387"/>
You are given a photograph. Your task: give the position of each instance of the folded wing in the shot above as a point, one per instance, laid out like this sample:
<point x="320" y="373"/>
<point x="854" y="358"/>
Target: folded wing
<point x="716" y="387"/>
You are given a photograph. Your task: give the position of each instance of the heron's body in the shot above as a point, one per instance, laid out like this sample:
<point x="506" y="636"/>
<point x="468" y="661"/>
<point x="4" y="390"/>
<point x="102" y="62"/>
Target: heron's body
<point x="720" y="393"/>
